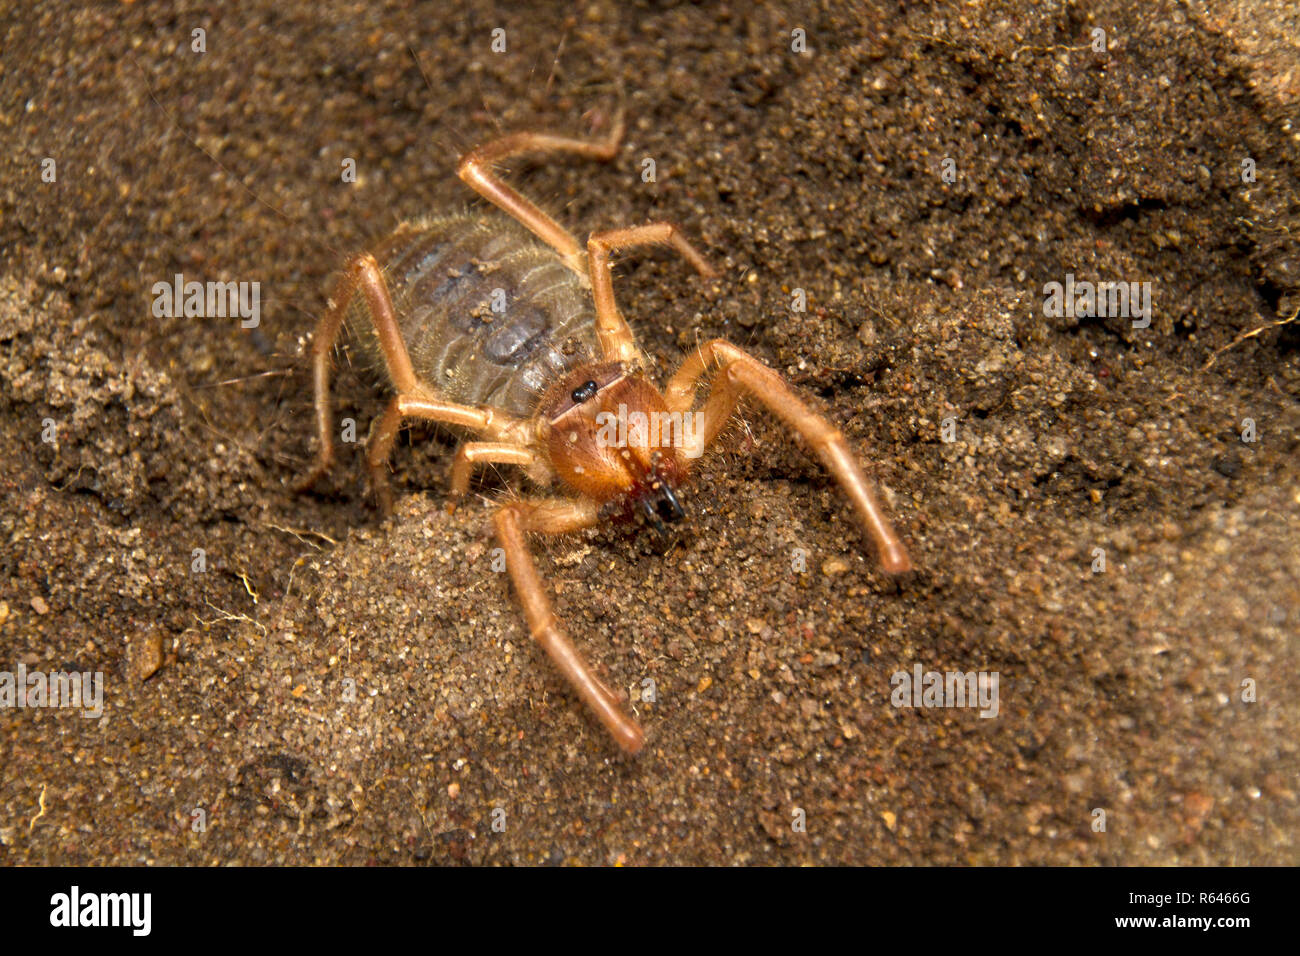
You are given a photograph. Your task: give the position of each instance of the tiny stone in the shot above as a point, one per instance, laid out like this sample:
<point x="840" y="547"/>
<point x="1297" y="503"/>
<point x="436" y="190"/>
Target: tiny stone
<point x="1228" y="465"/>
<point x="833" y="566"/>
<point x="146" y="656"/>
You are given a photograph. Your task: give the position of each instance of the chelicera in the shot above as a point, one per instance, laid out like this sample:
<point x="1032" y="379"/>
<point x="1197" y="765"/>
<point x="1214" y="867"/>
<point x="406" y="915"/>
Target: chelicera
<point x="516" y="340"/>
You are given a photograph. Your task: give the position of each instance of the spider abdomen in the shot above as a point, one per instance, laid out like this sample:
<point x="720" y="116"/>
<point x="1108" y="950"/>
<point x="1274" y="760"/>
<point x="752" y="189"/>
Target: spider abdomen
<point x="489" y="315"/>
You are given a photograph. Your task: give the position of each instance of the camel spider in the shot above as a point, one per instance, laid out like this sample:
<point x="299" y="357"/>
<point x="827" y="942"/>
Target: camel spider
<point x="476" y="324"/>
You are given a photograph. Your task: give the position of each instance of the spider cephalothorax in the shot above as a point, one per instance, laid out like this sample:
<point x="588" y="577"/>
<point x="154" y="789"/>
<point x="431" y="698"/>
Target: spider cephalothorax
<point x="522" y="345"/>
<point x="611" y="437"/>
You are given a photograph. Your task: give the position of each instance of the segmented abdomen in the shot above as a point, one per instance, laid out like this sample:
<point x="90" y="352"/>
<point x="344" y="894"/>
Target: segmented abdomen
<point x="489" y="315"/>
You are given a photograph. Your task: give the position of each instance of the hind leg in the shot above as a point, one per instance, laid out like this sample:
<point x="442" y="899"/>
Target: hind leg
<point x="476" y="170"/>
<point x="362" y="273"/>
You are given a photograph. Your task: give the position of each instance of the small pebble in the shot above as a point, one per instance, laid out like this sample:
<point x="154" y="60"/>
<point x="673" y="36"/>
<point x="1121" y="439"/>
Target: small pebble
<point x="833" y="566"/>
<point x="146" y="655"/>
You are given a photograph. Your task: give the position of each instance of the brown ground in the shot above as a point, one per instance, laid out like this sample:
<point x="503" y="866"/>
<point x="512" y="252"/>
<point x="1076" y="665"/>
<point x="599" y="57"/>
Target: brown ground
<point x="1120" y="690"/>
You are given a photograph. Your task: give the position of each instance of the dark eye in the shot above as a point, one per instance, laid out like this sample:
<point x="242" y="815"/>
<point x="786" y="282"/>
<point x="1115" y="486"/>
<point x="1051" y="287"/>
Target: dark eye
<point x="584" y="392"/>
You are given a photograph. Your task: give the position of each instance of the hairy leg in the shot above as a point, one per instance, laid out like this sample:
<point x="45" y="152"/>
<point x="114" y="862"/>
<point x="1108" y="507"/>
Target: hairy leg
<point x="616" y="340"/>
<point x="476" y="171"/>
<point x="362" y="273"/>
<point x="558" y="516"/>
<point x="483" y="452"/>
<point x="384" y="430"/>
<point x="739" y="373"/>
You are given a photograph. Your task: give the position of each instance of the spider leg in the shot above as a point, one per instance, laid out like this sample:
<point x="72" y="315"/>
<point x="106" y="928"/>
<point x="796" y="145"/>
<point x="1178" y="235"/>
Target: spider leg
<point x="558" y="516"/>
<point x="384" y="429"/>
<point x="616" y="340"/>
<point x="361" y="273"/>
<point x="476" y="171"/>
<point x="739" y="373"/>
<point x="483" y="452"/>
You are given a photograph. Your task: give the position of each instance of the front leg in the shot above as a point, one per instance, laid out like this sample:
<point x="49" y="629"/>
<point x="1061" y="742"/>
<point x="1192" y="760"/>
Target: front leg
<point x="616" y="339"/>
<point x="739" y="373"/>
<point x="558" y="516"/>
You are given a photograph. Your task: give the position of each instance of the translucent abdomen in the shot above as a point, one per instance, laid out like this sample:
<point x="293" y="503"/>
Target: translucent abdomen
<point x="490" y="316"/>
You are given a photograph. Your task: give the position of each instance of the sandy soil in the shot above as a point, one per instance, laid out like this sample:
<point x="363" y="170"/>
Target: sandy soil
<point x="1120" y="691"/>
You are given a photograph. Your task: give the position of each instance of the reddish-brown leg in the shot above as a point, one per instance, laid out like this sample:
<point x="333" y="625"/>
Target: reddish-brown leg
<point x="362" y="272"/>
<point x="483" y="452"/>
<point x="384" y="430"/>
<point x="558" y="516"/>
<point x="739" y="373"/>
<point x="476" y="171"/>
<point x="616" y="340"/>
